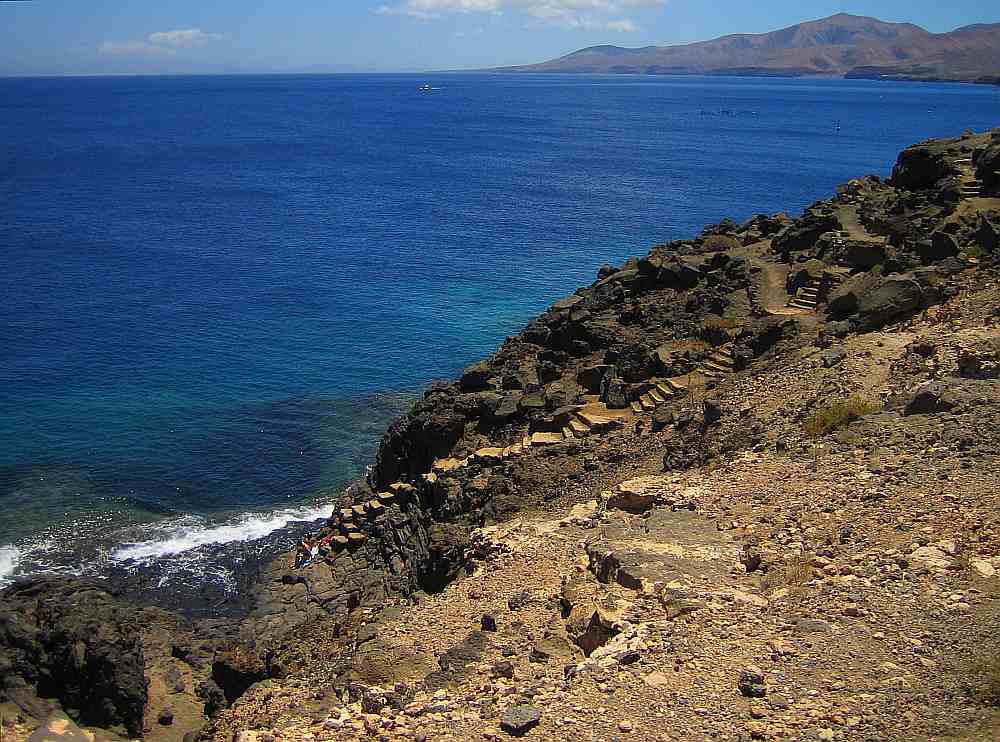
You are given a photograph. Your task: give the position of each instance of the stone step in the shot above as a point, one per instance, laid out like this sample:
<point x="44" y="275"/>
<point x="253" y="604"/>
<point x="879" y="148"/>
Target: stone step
<point x="516" y="450"/>
<point x="568" y="433"/>
<point x="718" y="368"/>
<point x="723" y="359"/>
<point x="802" y="305"/>
<point x="665" y="390"/>
<point x="636" y="407"/>
<point x="546" y="439"/>
<point x="580" y="429"/>
<point x="443" y="465"/>
<point x="597" y="423"/>
<point x="711" y="373"/>
<point x="674" y="386"/>
<point x="656" y="396"/>
<point x="647" y="402"/>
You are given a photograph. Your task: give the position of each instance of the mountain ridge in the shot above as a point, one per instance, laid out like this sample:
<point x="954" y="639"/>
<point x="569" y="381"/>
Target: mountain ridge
<point x="840" y="45"/>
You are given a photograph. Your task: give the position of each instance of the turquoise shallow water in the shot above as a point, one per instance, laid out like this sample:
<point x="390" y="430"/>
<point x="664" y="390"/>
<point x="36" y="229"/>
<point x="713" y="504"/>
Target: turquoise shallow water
<point x="219" y="290"/>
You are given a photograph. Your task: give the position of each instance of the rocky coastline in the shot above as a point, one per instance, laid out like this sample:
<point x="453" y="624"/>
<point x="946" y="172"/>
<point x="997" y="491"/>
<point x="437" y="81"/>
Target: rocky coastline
<point x="670" y="508"/>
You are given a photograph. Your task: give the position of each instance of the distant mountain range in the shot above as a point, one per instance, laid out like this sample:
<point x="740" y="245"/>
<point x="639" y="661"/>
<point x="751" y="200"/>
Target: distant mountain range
<point x="839" y="46"/>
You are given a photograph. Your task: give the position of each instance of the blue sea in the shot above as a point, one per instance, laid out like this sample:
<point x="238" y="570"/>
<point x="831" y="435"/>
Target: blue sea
<point x="218" y="291"/>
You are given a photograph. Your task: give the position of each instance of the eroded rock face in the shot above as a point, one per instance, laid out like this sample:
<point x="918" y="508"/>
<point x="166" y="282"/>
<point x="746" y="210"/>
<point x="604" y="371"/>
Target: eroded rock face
<point x="921" y="166"/>
<point x="73" y="641"/>
<point x="988" y="167"/>
<point x="235" y="669"/>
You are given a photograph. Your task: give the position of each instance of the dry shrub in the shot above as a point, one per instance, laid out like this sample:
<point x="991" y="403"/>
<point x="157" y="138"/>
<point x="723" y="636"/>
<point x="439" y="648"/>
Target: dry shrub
<point x="797" y="571"/>
<point x="838" y="415"/>
<point x="720" y="323"/>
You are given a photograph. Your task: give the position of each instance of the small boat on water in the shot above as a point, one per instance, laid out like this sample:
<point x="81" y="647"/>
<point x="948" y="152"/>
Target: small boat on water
<point x="426" y="88"/>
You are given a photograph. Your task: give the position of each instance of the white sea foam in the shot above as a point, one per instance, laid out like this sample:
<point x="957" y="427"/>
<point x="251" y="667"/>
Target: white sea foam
<point x="10" y="557"/>
<point x="188" y="533"/>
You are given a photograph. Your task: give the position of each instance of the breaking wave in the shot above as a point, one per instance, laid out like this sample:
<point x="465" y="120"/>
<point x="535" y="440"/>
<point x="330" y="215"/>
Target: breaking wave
<point x="192" y="532"/>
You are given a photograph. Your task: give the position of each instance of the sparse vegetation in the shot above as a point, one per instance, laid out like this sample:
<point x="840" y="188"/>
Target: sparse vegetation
<point x="976" y="252"/>
<point x="797" y="571"/>
<point x="838" y="415"/>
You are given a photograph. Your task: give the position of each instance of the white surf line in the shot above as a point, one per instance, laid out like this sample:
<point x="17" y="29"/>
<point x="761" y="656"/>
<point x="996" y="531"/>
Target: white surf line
<point x="179" y="537"/>
<point x="10" y="558"/>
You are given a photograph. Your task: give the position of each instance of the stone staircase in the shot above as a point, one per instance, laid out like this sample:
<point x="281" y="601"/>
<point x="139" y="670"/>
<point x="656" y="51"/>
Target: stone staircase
<point x="581" y="424"/>
<point x="349" y="524"/>
<point x="970" y="186"/>
<point x="661" y="392"/>
<point x="753" y="290"/>
<point x="720" y="363"/>
<point x="586" y="421"/>
<point x="807" y="297"/>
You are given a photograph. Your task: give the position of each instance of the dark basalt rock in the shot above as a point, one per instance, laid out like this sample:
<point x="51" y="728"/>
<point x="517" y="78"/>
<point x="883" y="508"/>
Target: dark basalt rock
<point x="940" y="246"/>
<point x="894" y="298"/>
<point x="429" y="431"/>
<point x="73" y="641"/>
<point x="988" y="167"/>
<point x="922" y="166"/>
<point x="592" y="378"/>
<point x="929" y="398"/>
<point x="476" y="377"/>
<point x="844" y="300"/>
<point x="804" y="233"/>
<point x="519" y="720"/>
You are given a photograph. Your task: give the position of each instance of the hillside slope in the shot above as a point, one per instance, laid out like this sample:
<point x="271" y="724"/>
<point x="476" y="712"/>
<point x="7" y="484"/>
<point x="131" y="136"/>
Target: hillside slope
<point x="842" y="45"/>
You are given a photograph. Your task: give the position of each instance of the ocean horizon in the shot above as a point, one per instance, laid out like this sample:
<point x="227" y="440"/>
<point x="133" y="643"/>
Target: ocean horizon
<point x="220" y="290"/>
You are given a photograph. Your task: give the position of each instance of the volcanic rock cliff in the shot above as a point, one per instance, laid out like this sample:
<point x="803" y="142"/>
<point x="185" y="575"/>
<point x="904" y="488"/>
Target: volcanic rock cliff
<point x="740" y="487"/>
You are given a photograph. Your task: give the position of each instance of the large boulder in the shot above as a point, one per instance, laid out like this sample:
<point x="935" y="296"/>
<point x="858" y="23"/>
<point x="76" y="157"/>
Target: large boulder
<point x="940" y="246"/>
<point x="894" y="298"/>
<point x="987" y="236"/>
<point x="845" y="300"/>
<point x="804" y="233"/>
<point x="428" y="432"/>
<point x="988" y="166"/>
<point x="922" y="166"/>
<point x="476" y="377"/>
<point x="669" y="270"/>
<point x="863" y="254"/>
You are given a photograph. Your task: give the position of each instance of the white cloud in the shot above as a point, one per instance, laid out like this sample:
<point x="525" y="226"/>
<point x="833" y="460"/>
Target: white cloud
<point x="623" y="25"/>
<point x="184" y="37"/>
<point x="573" y="14"/>
<point x="159" y="44"/>
<point x="133" y="49"/>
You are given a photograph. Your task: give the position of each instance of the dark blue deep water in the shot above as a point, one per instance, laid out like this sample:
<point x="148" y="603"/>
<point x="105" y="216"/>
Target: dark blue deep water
<point x="217" y="291"/>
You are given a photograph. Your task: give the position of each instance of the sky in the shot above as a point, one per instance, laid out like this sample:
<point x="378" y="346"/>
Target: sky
<point x="43" y="37"/>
